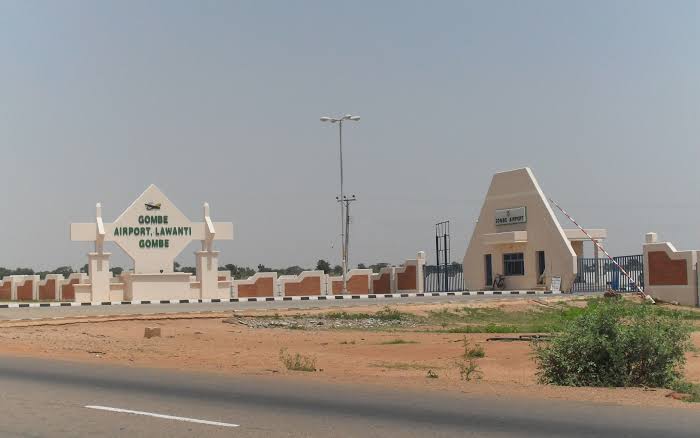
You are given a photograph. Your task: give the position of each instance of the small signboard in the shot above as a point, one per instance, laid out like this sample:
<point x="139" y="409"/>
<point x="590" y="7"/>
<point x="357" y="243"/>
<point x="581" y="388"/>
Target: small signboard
<point x="556" y="284"/>
<point x="510" y="216"/>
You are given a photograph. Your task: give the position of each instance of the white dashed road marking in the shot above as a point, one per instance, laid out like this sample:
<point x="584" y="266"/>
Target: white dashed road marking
<point x="163" y="416"/>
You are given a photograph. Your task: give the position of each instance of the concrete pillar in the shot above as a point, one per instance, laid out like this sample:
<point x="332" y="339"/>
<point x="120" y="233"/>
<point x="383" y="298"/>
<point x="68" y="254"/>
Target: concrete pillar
<point x="13" y="288"/>
<point x="420" y="279"/>
<point x="208" y="273"/>
<point x="35" y="279"/>
<point x="277" y="289"/>
<point x="98" y="271"/>
<point x="577" y="245"/>
<point x="328" y="290"/>
<point x="59" y="286"/>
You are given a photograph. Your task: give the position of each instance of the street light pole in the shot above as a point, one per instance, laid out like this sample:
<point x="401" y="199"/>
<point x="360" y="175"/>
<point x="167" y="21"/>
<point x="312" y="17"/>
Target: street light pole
<point x="344" y="255"/>
<point x="343" y="200"/>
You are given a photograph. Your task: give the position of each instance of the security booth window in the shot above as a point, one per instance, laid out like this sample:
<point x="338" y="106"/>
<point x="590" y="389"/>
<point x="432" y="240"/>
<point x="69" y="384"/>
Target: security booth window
<point x="514" y="264"/>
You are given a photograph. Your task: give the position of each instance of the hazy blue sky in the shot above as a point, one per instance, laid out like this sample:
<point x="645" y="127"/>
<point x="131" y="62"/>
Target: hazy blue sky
<point x="219" y="101"/>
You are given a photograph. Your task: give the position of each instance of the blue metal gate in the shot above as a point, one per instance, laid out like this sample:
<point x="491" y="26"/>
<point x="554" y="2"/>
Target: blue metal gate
<point x="596" y="275"/>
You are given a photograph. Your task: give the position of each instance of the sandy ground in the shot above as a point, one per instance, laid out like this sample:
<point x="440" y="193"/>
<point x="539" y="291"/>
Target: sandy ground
<point x="204" y="343"/>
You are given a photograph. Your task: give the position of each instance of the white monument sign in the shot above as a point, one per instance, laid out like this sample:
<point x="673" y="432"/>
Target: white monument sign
<point x="152" y="231"/>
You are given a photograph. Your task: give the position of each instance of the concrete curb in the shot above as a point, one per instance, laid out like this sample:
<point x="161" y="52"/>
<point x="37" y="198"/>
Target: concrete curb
<point x="264" y="299"/>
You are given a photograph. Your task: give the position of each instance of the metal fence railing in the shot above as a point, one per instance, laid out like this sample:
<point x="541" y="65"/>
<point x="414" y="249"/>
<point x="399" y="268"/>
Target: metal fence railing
<point x="444" y="278"/>
<point x="594" y="275"/>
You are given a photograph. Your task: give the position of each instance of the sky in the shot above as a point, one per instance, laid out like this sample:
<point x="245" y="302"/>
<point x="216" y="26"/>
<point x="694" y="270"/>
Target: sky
<point x="219" y="101"/>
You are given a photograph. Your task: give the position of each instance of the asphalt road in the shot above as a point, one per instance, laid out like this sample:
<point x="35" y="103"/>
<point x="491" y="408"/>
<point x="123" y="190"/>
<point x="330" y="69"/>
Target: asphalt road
<point x="41" y="398"/>
<point x="145" y="309"/>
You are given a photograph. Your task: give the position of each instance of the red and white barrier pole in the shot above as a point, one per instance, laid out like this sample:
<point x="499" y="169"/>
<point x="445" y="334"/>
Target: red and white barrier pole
<point x="595" y="242"/>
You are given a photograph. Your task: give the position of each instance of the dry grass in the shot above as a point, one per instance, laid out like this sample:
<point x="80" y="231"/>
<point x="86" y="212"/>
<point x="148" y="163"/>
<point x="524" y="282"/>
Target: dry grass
<point x="297" y="362"/>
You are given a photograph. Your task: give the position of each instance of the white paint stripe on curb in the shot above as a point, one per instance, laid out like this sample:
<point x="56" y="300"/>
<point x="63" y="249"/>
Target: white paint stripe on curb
<point x="163" y="416"/>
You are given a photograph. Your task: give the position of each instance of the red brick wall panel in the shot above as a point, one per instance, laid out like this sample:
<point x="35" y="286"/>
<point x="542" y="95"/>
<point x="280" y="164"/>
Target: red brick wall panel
<point x="68" y="290"/>
<point x="25" y="291"/>
<point x="407" y="280"/>
<point x="666" y="272"/>
<point x="263" y="287"/>
<point x="307" y="286"/>
<point x="6" y="291"/>
<point x="48" y="290"/>
<point x="357" y="284"/>
<point x="382" y="285"/>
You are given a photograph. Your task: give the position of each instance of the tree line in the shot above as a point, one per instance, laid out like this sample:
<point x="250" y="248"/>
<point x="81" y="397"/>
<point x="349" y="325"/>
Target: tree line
<point x="242" y="272"/>
<point x="63" y="270"/>
<point x="237" y="272"/>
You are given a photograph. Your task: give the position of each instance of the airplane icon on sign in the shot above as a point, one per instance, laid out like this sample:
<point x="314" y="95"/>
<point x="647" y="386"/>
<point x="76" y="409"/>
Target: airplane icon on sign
<point x="152" y="206"/>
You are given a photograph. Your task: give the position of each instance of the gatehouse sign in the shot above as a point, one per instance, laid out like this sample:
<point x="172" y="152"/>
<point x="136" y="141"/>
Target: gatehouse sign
<point x="152" y="231"/>
<point x="510" y="216"/>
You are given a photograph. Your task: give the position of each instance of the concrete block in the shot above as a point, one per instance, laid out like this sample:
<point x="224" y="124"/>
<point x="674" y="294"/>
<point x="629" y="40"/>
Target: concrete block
<point x="151" y="332"/>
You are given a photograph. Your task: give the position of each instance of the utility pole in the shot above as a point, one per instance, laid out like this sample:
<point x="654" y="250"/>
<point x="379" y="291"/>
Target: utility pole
<point x="347" y="200"/>
<point x="342" y="199"/>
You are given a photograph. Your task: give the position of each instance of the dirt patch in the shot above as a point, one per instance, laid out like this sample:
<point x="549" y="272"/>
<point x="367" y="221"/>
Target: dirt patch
<point x="396" y="355"/>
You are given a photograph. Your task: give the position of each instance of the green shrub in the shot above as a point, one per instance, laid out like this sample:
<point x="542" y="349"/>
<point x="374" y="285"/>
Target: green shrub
<point x="475" y="352"/>
<point x="613" y="343"/>
<point x="389" y="314"/>
<point x="385" y="314"/>
<point x="469" y="369"/>
<point x="691" y="390"/>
